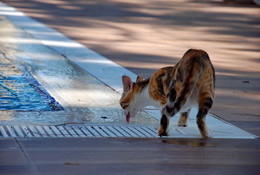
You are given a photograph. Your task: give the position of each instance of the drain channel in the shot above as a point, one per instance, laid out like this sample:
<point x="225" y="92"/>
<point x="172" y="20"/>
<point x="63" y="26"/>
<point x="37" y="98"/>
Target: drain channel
<point x="63" y="131"/>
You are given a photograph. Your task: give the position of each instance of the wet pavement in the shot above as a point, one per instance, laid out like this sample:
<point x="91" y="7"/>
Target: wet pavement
<point x="145" y="36"/>
<point x="67" y="71"/>
<point x="21" y="92"/>
<point x="84" y="98"/>
<point x="87" y="99"/>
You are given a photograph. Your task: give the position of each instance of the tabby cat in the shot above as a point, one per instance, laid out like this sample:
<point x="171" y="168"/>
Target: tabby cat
<point x="190" y="83"/>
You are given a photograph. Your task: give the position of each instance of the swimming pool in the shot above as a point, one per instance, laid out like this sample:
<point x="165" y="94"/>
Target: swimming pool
<point x="20" y="91"/>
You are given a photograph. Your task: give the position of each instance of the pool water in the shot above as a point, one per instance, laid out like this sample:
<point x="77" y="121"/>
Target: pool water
<point x="20" y="91"/>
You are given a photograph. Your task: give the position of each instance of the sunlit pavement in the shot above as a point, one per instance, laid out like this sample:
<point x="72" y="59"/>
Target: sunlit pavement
<point x="85" y="97"/>
<point x="86" y="84"/>
<point x="144" y="36"/>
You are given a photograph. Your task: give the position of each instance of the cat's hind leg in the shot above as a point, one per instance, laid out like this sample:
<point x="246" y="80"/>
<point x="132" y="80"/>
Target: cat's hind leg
<point x="183" y="118"/>
<point x="204" y="106"/>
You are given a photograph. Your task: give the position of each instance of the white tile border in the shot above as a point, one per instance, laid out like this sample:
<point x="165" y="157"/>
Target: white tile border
<point x="100" y="67"/>
<point x="104" y="69"/>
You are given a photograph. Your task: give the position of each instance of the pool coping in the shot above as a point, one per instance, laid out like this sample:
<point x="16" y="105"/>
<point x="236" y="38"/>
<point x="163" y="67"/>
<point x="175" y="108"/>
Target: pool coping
<point x="95" y="64"/>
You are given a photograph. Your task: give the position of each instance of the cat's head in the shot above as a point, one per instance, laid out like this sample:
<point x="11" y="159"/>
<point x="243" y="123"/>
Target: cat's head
<point x="129" y="100"/>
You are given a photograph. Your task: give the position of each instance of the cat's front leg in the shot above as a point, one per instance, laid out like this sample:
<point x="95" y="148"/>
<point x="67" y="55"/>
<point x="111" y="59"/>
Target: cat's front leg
<point x="170" y="110"/>
<point x="163" y="128"/>
<point x="167" y="113"/>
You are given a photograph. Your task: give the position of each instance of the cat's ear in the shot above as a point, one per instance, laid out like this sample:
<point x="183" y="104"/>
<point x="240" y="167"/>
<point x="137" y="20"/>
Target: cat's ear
<point x="127" y="83"/>
<point x="139" y="78"/>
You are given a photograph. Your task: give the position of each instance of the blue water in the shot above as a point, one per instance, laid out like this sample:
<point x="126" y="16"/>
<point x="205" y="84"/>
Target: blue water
<point x="24" y="93"/>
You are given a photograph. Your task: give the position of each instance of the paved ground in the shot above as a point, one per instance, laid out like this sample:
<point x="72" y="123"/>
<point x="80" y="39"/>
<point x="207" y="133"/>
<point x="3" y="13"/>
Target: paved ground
<point x="144" y="36"/>
<point x="30" y="69"/>
<point x="154" y="34"/>
<point x="128" y="156"/>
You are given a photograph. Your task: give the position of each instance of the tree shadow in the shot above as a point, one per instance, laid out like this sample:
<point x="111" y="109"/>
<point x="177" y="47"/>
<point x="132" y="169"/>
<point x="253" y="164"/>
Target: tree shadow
<point x="107" y="26"/>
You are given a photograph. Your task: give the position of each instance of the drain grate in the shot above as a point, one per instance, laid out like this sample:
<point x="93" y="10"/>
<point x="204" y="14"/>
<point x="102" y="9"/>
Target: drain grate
<point x="35" y="131"/>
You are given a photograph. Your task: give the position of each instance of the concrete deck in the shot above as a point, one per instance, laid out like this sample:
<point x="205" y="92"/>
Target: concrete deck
<point x="86" y="84"/>
<point x="96" y="156"/>
<point x="154" y="156"/>
<point x="145" y="36"/>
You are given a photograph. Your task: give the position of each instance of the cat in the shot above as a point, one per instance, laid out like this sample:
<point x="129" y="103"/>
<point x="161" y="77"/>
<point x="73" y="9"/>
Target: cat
<point x="190" y="83"/>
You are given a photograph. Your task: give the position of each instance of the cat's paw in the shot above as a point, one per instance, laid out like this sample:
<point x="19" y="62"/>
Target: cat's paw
<point x="162" y="132"/>
<point x="182" y="123"/>
<point x="204" y="135"/>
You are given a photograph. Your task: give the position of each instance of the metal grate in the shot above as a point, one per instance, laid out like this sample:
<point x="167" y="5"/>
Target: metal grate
<point x="34" y="131"/>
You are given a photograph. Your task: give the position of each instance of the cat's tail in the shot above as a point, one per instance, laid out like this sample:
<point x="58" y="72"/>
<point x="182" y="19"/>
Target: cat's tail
<point x="194" y="66"/>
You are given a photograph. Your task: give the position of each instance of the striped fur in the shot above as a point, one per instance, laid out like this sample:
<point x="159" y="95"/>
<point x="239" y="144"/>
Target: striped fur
<point x="191" y="82"/>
